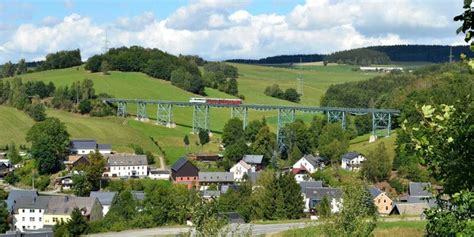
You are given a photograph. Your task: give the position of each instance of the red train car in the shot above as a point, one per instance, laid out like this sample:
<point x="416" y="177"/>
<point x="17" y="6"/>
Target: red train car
<point x="216" y="101"/>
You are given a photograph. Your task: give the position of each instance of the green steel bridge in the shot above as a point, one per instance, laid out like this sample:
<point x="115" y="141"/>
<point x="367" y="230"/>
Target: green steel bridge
<point x="381" y="118"/>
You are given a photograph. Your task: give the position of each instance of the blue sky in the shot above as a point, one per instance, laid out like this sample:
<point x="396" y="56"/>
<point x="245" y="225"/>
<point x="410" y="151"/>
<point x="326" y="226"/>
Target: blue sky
<point x="220" y="29"/>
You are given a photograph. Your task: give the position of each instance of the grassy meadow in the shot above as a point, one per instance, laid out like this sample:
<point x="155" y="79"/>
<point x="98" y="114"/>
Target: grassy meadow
<point x="383" y="229"/>
<point x="122" y="132"/>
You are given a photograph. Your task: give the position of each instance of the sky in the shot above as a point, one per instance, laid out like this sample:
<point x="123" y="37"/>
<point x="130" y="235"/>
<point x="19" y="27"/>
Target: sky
<point x="220" y="29"/>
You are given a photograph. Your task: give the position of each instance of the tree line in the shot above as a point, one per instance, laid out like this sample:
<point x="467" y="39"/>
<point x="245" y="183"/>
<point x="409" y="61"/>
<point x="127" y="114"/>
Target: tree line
<point x="372" y="55"/>
<point x="30" y="96"/>
<point x="182" y="71"/>
<point x="289" y="94"/>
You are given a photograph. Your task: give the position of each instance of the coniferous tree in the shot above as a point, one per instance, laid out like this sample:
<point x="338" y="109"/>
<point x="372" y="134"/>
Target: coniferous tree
<point x="233" y="131"/>
<point x="264" y="144"/>
<point x="77" y="225"/>
<point x="21" y="67"/>
<point x="294" y="203"/>
<point x="324" y="208"/>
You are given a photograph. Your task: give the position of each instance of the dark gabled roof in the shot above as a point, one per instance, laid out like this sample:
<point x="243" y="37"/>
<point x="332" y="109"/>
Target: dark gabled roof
<point x="314" y="160"/>
<point x="105" y="198"/>
<point x="104" y="146"/>
<point x="310" y="184"/>
<point x="138" y="195"/>
<point x="179" y="163"/>
<point x="319" y="193"/>
<point x="63" y="205"/>
<point x="419" y="189"/>
<point x="40" y="202"/>
<point x="253" y="159"/>
<point x="14" y="195"/>
<point x="374" y="192"/>
<point x="127" y="160"/>
<point x="84" y="144"/>
<point x="351" y="155"/>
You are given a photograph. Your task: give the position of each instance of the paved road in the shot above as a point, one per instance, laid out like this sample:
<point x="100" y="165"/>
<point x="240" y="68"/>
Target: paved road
<point x="256" y="229"/>
<point x="245" y="228"/>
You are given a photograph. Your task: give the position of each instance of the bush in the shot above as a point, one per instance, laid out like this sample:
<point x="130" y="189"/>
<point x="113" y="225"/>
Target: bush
<point x="85" y="106"/>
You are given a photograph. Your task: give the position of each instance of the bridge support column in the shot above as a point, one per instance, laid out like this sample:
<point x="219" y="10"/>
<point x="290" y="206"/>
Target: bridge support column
<point x="164" y="115"/>
<point x="141" y="112"/>
<point x="241" y="113"/>
<point x="381" y="120"/>
<point x="122" y="109"/>
<point x="337" y="116"/>
<point x="200" y="118"/>
<point x="285" y="116"/>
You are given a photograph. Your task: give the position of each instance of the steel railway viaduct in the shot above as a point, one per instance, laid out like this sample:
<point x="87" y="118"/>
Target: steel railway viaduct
<point x="381" y="118"/>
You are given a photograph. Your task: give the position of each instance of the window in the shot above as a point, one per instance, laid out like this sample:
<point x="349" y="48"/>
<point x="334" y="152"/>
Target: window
<point x="32" y="219"/>
<point x="23" y="218"/>
<point x="386" y="208"/>
<point x="55" y="219"/>
<point x="385" y="200"/>
<point x="32" y="210"/>
<point x="39" y="210"/>
<point x="378" y="201"/>
<point x="40" y="219"/>
<point x="23" y="210"/>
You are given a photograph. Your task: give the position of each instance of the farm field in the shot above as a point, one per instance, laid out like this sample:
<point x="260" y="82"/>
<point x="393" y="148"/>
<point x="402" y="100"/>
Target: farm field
<point x="132" y="85"/>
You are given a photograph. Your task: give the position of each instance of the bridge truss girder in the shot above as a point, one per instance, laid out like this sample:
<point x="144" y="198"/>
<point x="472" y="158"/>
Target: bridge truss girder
<point x="164" y="115"/>
<point x="381" y="120"/>
<point x="200" y="118"/>
<point x="141" y="111"/>
<point x="337" y="116"/>
<point x="122" y="109"/>
<point x="241" y="113"/>
<point x="285" y="116"/>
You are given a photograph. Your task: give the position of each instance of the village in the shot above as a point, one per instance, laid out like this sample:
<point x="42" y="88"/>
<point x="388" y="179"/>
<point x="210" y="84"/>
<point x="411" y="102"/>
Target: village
<point x="33" y="212"/>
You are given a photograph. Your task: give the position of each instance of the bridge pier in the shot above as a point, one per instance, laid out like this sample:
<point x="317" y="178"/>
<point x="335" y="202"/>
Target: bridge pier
<point x="200" y="118"/>
<point x="141" y="112"/>
<point x="336" y="116"/>
<point x="381" y="120"/>
<point x="122" y="109"/>
<point x="241" y="113"/>
<point x="164" y="115"/>
<point x="285" y="116"/>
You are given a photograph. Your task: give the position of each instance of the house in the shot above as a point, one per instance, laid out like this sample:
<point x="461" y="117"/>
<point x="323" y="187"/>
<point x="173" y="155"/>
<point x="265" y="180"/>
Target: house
<point x="184" y="172"/>
<point x="126" y="166"/>
<point x="313" y="196"/>
<point x="4" y="169"/>
<point x="255" y="161"/>
<point x="105" y="199"/>
<point x="352" y="161"/>
<point x="409" y="209"/>
<point x="310" y="184"/>
<point x="383" y="203"/>
<point x="215" y="178"/>
<point x="28" y="213"/>
<point x="240" y="170"/>
<point x="159" y="174"/>
<point x="138" y="195"/>
<point x="210" y="194"/>
<point x="60" y="209"/>
<point x="307" y="165"/>
<point x="65" y="182"/>
<point x="204" y="157"/>
<point x="419" y="192"/>
<point x="86" y="146"/>
<point x="14" y="195"/>
<point x="73" y="161"/>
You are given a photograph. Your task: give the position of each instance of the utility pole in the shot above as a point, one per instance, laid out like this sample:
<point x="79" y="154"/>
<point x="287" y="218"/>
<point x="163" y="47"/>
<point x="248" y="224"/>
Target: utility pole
<point x="106" y="42"/>
<point x="300" y="80"/>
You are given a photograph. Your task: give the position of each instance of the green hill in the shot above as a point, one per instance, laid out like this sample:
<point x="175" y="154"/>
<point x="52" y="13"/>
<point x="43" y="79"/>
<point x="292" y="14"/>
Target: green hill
<point x="121" y="132"/>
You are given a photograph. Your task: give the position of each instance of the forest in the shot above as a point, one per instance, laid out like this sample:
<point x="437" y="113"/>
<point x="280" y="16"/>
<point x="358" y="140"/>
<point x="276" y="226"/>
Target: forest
<point x="365" y="56"/>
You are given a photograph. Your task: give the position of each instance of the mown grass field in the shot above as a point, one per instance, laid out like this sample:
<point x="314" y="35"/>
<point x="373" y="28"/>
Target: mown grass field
<point x="122" y="132"/>
<point x="383" y="229"/>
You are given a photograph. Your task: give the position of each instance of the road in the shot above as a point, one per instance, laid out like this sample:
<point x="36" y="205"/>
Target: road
<point x="256" y="229"/>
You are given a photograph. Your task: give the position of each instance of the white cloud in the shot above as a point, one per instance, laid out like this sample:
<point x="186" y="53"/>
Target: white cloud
<point x="223" y="30"/>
